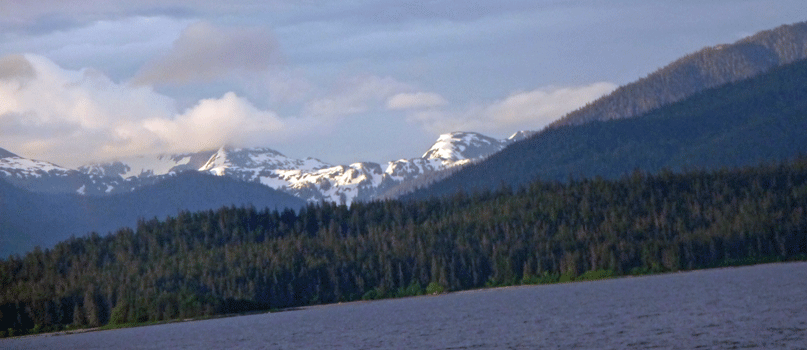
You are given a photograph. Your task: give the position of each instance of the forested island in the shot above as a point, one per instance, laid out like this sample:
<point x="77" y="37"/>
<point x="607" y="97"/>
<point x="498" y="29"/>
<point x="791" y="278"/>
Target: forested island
<point x="244" y="259"/>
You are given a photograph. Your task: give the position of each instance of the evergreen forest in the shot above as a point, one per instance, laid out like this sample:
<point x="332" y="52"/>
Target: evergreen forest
<point x="244" y="259"/>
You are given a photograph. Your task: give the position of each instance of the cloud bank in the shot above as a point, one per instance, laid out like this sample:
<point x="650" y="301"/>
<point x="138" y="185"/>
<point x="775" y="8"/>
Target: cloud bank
<point x="51" y="113"/>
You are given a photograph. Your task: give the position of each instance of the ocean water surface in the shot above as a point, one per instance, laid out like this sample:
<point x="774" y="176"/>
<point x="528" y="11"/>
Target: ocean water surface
<point x="762" y="306"/>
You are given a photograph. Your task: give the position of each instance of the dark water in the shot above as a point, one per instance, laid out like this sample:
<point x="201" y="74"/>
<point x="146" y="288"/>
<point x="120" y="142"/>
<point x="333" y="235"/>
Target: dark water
<point x="762" y="306"/>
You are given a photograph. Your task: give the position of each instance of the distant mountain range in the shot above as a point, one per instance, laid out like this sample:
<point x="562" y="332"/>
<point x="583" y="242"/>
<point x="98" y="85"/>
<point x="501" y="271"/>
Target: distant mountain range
<point x="707" y="68"/>
<point x="309" y="179"/>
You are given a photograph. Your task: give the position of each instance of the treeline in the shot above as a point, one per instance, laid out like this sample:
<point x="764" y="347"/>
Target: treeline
<point x="707" y="68"/>
<point x="240" y="259"/>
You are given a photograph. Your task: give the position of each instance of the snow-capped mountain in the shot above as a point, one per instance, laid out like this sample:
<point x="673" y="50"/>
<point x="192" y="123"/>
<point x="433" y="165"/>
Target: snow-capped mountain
<point x="309" y="179"/>
<point x="14" y="166"/>
<point x="458" y="148"/>
<point x="95" y="179"/>
<point x="449" y="153"/>
<point x="40" y="176"/>
<point x="313" y="180"/>
<point x="450" y="150"/>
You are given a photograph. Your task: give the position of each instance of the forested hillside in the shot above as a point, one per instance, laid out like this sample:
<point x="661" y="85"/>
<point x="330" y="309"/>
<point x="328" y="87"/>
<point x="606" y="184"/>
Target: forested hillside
<point x="233" y="259"/>
<point x="29" y="219"/>
<point x="762" y="119"/>
<point x="710" y="67"/>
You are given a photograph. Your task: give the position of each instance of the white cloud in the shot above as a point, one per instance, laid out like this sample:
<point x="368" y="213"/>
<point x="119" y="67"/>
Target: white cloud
<point x="214" y="122"/>
<point x="355" y="95"/>
<point x="204" y="52"/>
<point x="541" y="107"/>
<point x="531" y="110"/>
<point x="77" y="116"/>
<point x="83" y="98"/>
<point x="415" y="100"/>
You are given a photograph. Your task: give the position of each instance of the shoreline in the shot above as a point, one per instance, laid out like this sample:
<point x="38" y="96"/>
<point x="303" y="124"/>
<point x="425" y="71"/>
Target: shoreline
<point x="345" y="303"/>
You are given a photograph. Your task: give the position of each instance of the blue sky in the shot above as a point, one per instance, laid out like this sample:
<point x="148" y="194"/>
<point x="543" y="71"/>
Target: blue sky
<point x="343" y="81"/>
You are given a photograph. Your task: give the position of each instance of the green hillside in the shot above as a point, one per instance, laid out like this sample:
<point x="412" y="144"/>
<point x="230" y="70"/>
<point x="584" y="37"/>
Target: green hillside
<point x="762" y="119"/>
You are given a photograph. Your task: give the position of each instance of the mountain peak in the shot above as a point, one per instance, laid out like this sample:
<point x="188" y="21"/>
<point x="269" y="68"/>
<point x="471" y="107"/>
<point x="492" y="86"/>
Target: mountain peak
<point x="460" y="145"/>
<point x="217" y="163"/>
<point x="22" y="171"/>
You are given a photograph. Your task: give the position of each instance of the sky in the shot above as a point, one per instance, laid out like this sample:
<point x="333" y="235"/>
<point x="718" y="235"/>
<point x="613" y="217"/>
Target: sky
<point x="342" y="81"/>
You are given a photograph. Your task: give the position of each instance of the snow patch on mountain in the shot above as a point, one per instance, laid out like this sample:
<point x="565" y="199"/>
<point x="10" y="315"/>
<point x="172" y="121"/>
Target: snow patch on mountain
<point x="13" y="165"/>
<point x="520" y="135"/>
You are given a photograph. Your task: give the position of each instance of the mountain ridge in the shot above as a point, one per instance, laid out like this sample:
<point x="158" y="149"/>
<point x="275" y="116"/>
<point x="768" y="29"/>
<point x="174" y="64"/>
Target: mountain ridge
<point x="703" y="69"/>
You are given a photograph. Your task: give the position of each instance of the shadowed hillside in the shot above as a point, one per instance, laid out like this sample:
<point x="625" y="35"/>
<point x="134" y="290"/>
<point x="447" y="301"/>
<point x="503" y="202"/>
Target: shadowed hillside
<point x="710" y="67"/>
